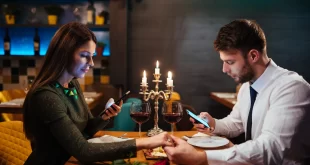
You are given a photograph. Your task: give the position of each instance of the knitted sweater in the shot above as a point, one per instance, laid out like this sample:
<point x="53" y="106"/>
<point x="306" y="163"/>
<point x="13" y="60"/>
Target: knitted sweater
<point x="61" y="124"/>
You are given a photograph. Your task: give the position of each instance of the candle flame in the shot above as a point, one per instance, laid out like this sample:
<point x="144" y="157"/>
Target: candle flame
<point x="169" y="75"/>
<point x="144" y="74"/>
<point x="157" y="64"/>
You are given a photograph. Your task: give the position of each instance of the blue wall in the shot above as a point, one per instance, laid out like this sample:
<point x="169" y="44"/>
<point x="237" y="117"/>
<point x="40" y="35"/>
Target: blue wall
<point x="22" y="40"/>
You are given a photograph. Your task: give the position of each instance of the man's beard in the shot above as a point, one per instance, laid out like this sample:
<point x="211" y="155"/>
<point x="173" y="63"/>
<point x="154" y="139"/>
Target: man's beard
<point x="247" y="73"/>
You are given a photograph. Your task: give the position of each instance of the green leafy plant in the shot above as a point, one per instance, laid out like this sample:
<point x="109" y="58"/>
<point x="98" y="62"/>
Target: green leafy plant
<point x="123" y="162"/>
<point x="101" y="44"/>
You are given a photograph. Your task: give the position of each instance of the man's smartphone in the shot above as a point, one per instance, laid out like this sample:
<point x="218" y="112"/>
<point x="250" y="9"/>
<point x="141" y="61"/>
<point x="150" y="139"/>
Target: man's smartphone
<point x="116" y="102"/>
<point x="198" y="119"/>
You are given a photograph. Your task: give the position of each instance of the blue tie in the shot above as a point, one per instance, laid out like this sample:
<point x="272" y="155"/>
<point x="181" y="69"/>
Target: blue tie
<point x="253" y="94"/>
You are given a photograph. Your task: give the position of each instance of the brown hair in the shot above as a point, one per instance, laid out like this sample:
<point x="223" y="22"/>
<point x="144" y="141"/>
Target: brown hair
<point x="59" y="57"/>
<point x="241" y="34"/>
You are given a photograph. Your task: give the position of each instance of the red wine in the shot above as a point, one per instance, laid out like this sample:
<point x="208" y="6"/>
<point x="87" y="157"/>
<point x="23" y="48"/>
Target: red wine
<point x="91" y="13"/>
<point x="36" y="43"/>
<point x="7" y="43"/>
<point x="172" y="117"/>
<point x="140" y="117"/>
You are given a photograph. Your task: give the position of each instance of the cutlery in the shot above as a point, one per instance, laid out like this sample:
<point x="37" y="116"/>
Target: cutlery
<point x="123" y="136"/>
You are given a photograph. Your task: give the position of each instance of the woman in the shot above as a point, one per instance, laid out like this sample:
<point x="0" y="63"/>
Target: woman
<point x="57" y="120"/>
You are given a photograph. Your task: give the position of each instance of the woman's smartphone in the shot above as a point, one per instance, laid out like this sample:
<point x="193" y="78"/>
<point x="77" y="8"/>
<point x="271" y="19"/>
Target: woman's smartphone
<point x="198" y="119"/>
<point x="116" y="102"/>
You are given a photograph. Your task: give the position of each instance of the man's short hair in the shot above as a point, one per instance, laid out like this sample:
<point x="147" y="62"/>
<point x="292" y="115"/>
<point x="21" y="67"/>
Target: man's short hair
<point x="242" y="35"/>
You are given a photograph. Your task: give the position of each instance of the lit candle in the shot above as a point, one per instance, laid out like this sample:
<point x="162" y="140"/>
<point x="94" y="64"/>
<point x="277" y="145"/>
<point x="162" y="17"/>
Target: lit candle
<point x="157" y="68"/>
<point x="144" y="79"/>
<point x="169" y="79"/>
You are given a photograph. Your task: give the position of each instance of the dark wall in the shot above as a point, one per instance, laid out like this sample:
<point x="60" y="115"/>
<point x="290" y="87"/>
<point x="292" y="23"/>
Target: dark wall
<point x="180" y="34"/>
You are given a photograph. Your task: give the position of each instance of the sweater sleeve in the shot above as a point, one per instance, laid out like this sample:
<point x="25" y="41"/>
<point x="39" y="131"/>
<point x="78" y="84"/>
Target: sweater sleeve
<point x="94" y="124"/>
<point x="51" y="109"/>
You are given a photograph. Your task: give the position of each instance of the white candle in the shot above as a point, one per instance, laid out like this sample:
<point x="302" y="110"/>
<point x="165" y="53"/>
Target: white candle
<point x="144" y="79"/>
<point x="169" y="79"/>
<point x="157" y="68"/>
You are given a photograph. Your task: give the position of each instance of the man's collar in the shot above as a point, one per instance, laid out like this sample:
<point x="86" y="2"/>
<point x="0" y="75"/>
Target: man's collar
<point x="265" y="77"/>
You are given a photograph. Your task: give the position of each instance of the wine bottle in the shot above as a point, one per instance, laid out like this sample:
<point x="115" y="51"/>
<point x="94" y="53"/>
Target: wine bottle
<point x="7" y="43"/>
<point x="91" y="13"/>
<point x="36" y="43"/>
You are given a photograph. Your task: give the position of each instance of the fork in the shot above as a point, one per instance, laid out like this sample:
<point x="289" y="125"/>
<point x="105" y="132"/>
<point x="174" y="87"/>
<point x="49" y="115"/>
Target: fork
<point x="123" y="136"/>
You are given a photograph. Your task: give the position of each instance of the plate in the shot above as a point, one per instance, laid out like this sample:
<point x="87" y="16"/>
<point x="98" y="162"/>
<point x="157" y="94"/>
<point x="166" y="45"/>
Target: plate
<point x="208" y="141"/>
<point x="154" y="154"/>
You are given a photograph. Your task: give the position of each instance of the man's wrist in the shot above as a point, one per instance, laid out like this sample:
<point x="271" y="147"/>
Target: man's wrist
<point x="202" y="157"/>
<point x="213" y="126"/>
<point x="140" y="144"/>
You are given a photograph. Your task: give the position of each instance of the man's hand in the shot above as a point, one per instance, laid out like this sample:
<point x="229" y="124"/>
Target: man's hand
<point x="183" y="153"/>
<point x="200" y="127"/>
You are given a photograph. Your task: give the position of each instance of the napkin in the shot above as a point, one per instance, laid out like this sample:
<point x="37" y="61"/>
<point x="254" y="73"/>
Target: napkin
<point x="107" y="139"/>
<point x="200" y="134"/>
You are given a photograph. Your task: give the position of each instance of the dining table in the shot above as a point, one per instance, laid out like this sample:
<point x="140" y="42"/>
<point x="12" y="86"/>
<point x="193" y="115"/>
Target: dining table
<point x="140" y="156"/>
<point x="225" y="98"/>
<point x="15" y="106"/>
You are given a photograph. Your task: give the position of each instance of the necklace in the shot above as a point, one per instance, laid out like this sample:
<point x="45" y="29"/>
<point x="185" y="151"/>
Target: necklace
<point x="71" y="92"/>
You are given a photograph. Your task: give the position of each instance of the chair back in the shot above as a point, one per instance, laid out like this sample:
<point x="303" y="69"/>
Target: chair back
<point x="16" y="93"/>
<point x="185" y="124"/>
<point x="5" y="96"/>
<point x="14" y="146"/>
<point x="123" y="121"/>
<point x="8" y="95"/>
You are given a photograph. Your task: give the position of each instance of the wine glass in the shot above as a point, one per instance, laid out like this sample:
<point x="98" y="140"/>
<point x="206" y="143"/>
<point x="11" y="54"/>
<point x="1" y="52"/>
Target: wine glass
<point x="172" y="112"/>
<point x="140" y="113"/>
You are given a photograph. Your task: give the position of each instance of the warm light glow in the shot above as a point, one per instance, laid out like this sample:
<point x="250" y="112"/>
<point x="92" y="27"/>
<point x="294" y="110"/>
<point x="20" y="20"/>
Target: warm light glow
<point x="157" y="64"/>
<point x="169" y="75"/>
<point x="144" y="79"/>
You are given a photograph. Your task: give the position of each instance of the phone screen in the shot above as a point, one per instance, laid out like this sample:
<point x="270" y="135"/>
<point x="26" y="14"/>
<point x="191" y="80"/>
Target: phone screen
<point x="200" y="120"/>
<point x="117" y="102"/>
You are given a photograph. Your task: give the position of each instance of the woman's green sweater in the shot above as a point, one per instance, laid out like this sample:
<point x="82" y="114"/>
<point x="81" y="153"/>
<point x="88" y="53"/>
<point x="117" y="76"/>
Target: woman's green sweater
<point x="61" y="123"/>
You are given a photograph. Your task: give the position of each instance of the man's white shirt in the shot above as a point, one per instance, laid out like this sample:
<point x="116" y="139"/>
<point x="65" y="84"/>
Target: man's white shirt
<point x="279" y="121"/>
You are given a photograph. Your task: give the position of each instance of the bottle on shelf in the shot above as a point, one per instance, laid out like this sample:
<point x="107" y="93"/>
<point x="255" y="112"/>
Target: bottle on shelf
<point x="7" y="43"/>
<point x="36" y="43"/>
<point x="91" y="13"/>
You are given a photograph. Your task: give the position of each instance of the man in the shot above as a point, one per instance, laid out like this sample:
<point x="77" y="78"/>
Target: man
<point x="272" y="108"/>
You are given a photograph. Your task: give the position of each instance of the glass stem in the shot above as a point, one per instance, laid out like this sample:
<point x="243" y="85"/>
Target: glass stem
<point x="140" y="130"/>
<point x="171" y="129"/>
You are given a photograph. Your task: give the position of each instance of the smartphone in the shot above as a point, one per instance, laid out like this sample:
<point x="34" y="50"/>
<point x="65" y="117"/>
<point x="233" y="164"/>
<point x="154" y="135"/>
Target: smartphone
<point x="198" y="119"/>
<point x="116" y="102"/>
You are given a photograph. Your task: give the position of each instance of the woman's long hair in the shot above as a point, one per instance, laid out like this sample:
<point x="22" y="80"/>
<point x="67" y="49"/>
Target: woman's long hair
<point x="58" y="58"/>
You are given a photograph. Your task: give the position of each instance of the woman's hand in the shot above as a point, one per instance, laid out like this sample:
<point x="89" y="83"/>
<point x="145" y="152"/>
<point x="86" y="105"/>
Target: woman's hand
<point x="112" y="111"/>
<point x="200" y="127"/>
<point x="162" y="139"/>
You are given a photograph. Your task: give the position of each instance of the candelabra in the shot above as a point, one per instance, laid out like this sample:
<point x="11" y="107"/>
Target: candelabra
<point x="156" y="95"/>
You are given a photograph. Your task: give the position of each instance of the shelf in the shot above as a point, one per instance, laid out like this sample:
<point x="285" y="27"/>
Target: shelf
<point x="52" y="2"/>
<point x="103" y="27"/>
<point x="20" y="57"/>
<point x="41" y="56"/>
